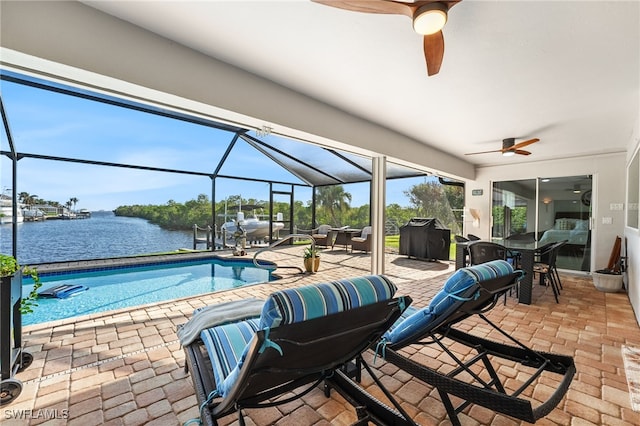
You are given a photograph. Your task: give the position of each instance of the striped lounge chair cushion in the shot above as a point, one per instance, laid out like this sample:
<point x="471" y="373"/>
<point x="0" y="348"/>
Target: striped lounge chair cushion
<point x="317" y="300"/>
<point x="227" y="344"/>
<point x="414" y="321"/>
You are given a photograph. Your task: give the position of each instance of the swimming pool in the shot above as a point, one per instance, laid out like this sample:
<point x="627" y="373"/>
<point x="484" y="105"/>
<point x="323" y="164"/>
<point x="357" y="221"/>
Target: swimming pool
<point x="126" y="286"/>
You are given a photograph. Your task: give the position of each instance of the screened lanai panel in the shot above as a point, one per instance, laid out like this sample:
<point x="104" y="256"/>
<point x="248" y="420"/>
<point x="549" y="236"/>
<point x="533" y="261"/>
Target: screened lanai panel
<point x="52" y="122"/>
<point x="395" y="171"/>
<point x="63" y="122"/>
<point x="315" y="164"/>
<point x="246" y="162"/>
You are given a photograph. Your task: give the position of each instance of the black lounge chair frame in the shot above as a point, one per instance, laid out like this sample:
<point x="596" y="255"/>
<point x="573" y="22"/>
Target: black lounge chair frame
<point x="314" y="351"/>
<point x="490" y="393"/>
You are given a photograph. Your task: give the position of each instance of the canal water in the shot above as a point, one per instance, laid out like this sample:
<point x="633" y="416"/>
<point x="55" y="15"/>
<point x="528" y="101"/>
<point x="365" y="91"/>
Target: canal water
<point x="102" y="235"/>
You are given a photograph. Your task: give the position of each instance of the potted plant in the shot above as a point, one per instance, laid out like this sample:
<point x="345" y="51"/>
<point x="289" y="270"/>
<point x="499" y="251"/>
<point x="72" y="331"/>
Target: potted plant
<point x="311" y="259"/>
<point x="10" y="270"/>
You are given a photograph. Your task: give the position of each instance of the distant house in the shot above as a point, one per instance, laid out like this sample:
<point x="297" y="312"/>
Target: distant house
<point x="50" y="210"/>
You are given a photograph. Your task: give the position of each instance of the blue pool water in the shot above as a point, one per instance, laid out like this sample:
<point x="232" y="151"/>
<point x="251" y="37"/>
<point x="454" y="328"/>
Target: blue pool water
<point x="131" y="286"/>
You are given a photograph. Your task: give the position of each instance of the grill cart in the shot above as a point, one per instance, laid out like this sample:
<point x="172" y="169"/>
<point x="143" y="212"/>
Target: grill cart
<point x="425" y="238"/>
<point x="12" y="358"/>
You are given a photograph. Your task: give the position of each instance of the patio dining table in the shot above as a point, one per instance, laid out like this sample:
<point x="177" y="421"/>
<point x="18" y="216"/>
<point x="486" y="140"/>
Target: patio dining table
<point x="343" y="236"/>
<point x="527" y="252"/>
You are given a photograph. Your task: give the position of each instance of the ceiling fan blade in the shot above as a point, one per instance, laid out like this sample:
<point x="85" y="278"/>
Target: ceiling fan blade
<point x="525" y="143"/>
<point x="484" y="152"/>
<point x="521" y="152"/>
<point x="433" y="52"/>
<point x="371" y="6"/>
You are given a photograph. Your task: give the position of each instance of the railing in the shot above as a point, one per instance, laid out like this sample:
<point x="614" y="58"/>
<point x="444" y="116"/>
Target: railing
<point x="199" y="240"/>
<point x="279" y="242"/>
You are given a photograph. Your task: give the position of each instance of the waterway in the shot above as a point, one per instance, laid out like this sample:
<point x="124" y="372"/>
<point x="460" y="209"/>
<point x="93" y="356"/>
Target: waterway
<point x="102" y="235"/>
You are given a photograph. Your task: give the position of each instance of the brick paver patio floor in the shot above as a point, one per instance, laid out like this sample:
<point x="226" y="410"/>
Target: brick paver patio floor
<point x="126" y="367"/>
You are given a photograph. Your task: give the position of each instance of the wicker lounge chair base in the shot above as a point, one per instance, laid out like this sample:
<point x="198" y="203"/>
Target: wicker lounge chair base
<point x="474" y="379"/>
<point x="493" y="396"/>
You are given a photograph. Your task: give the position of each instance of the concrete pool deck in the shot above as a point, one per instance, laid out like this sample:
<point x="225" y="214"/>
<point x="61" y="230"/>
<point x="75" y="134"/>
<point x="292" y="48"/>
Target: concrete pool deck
<point x="126" y="367"/>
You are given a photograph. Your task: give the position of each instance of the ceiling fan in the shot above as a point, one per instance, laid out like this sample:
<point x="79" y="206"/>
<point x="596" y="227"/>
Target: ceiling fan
<point x="429" y="17"/>
<point x="510" y="147"/>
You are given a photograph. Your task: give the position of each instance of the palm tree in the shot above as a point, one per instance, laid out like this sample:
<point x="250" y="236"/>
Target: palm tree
<point x="23" y="197"/>
<point x="74" y="200"/>
<point x="27" y="199"/>
<point x="334" y="199"/>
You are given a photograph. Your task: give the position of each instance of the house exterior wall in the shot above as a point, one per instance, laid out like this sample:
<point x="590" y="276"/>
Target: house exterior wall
<point x="632" y="235"/>
<point x="608" y="187"/>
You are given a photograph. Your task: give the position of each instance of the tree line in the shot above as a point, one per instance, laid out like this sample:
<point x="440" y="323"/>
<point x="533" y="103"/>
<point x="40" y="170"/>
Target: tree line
<point x="428" y="199"/>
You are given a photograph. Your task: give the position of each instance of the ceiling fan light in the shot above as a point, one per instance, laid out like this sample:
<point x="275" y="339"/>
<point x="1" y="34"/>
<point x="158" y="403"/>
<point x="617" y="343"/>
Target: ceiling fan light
<point x="430" y="18"/>
<point x="508" y="153"/>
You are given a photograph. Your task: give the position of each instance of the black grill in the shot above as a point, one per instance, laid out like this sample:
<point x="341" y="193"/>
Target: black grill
<point x="425" y="238"/>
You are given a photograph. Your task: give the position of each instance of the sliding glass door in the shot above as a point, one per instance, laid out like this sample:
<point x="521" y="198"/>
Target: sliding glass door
<point x="545" y="210"/>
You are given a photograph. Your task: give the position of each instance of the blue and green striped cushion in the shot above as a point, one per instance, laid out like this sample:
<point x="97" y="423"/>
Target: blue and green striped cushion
<point x="226" y="344"/>
<point x="317" y="300"/>
<point x="414" y="322"/>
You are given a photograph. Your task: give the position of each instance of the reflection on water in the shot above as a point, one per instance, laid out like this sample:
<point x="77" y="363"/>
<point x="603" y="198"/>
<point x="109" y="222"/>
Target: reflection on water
<point x="101" y="236"/>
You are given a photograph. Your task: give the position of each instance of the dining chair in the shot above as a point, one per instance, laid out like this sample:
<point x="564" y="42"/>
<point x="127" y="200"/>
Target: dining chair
<point x="460" y="239"/>
<point x="486" y="251"/>
<point x="546" y="267"/>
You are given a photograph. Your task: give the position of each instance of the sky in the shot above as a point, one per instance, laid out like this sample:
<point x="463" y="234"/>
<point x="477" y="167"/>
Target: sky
<point x="48" y="123"/>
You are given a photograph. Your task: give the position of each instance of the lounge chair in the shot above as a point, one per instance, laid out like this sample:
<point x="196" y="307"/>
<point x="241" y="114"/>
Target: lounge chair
<point x="363" y="242"/>
<point x="475" y="377"/>
<point x="303" y="336"/>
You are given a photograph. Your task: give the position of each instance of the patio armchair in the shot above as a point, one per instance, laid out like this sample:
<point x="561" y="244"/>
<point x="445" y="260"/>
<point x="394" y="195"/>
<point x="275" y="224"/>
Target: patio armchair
<point x="363" y="242"/>
<point x="472" y="375"/>
<point x="301" y="337"/>
<point x="323" y="235"/>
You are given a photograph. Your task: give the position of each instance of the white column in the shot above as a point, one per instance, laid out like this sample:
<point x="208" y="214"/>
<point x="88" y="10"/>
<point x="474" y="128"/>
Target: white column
<point x="378" y="204"/>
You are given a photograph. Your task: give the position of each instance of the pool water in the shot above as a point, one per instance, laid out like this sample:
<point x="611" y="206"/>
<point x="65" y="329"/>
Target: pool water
<point x="131" y="286"/>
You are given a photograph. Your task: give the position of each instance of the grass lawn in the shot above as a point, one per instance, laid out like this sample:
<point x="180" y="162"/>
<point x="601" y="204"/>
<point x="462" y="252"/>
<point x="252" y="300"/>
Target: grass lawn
<point x="393" y="241"/>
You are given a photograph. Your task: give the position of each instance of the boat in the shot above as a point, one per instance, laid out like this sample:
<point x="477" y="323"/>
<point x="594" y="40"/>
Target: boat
<point x="6" y="211"/>
<point x="255" y="228"/>
<point x="33" y="215"/>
